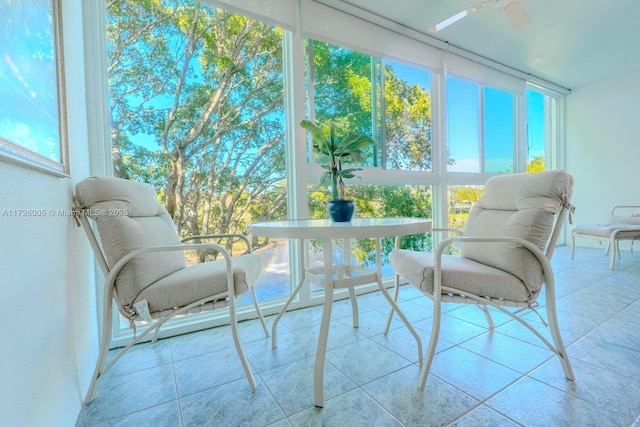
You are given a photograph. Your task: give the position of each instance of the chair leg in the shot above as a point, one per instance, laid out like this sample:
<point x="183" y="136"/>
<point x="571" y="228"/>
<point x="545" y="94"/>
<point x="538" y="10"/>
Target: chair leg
<point x="396" y="292"/>
<point x="354" y="307"/>
<point x="236" y="340"/>
<point x="614" y="248"/>
<point x="487" y="315"/>
<point x="155" y="334"/>
<point x="105" y="340"/>
<point x="433" y="342"/>
<point x="257" y="306"/>
<point x="573" y="244"/>
<point x="561" y="351"/>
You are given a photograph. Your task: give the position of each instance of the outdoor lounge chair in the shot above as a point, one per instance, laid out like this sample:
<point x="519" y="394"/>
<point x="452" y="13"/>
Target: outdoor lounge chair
<point x="624" y="224"/>
<point x="505" y="253"/>
<point x="144" y="262"/>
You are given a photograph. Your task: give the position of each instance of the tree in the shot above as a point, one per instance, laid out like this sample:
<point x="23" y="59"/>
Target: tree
<point x="203" y="89"/>
<point x="536" y="164"/>
<point x="407" y="123"/>
<point x="345" y="92"/>
<point x="197" y="109"/>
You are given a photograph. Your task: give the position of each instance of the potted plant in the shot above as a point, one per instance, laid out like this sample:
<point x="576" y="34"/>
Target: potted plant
<point x="338" y="151"/>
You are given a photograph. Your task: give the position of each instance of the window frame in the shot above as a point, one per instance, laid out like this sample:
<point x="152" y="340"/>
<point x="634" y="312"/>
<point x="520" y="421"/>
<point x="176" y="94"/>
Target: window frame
<point x="301" y="173"/>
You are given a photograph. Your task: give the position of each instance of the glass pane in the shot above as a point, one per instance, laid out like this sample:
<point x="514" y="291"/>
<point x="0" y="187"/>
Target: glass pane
<point x="197" y="110"/>
<point x="536" y="130"/>
<point x="342" y="87"/>
<point x="461" y="199"/>
<point x="376" y="201"/>
<point x="407" y="119"/>
<point x="498" y="130"/>
<point x="463" y="125"/>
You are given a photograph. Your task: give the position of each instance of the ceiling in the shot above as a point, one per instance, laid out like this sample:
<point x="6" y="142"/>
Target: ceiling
<point x="570" y="43"/>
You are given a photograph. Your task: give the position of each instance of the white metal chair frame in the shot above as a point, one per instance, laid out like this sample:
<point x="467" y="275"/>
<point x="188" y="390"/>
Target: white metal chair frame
<point x="109" y="295"/>
<point x="447" y="294"/>
<point x="618" y="231"/>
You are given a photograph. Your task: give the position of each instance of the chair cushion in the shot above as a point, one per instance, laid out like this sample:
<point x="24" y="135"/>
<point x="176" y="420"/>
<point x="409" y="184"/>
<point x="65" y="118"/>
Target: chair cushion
<point x="200" y="281"/>
<point x="625" y="219"/>
<point x="129" y="217"/>
<point x="459" y="273"/>
<point x="605" y="230"/>
<point x="521" y="206"/>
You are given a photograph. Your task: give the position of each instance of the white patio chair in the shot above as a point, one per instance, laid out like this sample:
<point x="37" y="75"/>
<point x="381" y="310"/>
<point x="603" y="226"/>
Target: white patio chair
<point x="624" y="224"/>
<point x="506" y="247"/>
<point x="145" y="267"/>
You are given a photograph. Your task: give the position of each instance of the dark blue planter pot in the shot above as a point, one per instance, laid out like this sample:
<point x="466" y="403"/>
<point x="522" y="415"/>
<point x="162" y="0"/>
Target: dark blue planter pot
<point x="341" y="210"/>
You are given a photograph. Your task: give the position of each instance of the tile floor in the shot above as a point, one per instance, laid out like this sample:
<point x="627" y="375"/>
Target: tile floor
<point x="500" y="378"/>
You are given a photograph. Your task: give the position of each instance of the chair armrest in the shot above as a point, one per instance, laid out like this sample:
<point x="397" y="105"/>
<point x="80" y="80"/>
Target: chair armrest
<point x="441" y="230"/>
<point x="620" y="207"/>
<point x="240" y="236"/>
<point x="449" y="230"/>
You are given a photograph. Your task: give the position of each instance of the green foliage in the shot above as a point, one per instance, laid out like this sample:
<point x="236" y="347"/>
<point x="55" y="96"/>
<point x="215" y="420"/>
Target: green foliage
<point x="536" y="164"/>
<point x="338" y="151"/>
<point x="203" y="88"/>
<point x="197" y="110"/>
<point x="378" y="201"/>
<point x="407" y="124"/>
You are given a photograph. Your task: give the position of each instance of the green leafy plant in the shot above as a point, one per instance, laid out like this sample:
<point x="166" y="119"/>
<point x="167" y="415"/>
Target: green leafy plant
<point x="349" y="150"/>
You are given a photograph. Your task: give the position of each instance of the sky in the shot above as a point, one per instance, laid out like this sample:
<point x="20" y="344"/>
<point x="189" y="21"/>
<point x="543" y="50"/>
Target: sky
<point x="464" y="122"/>
<point x="28" y="89"/>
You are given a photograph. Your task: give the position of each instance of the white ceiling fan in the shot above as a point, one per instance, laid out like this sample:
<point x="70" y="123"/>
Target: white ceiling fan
<point x="513" y="10"/>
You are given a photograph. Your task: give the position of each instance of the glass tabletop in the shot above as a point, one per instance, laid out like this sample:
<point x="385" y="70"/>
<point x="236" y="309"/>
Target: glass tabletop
<point x="325" y="228"/>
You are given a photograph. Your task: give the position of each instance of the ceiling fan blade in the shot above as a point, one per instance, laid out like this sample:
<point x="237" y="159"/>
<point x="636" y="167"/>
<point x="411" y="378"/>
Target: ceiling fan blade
<point x="517" y="16"/>
<point x="458" y="16"/>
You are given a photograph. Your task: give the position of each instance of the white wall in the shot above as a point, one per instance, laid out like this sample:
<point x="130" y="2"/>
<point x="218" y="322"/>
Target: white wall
<point x="48" y="339"/>
<point x="603" y="147"/>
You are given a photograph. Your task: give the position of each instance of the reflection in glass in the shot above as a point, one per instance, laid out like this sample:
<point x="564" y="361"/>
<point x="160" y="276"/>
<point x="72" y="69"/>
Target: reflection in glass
<point x="463" y="125"/>
<point x="498" y="130"/>
<point x="407" y="117"/>
<point x="538" y="106"/>
<point x="28" y="81"/>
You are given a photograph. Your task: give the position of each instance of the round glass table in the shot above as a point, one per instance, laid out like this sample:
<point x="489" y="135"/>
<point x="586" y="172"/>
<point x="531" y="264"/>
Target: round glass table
<point x="338" y="275"/>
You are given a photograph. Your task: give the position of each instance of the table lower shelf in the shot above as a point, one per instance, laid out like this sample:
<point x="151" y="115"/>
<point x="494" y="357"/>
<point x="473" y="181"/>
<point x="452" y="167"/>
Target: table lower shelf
<point x="344" y="275"/>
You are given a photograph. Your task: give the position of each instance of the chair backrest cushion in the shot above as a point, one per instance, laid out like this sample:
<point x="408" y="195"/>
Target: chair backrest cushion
<point x="129" y="217"/>
<point x="522" y="206"/>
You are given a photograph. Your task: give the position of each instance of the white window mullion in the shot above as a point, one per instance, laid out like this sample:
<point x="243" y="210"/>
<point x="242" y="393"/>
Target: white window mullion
<point x="520" y="151"/>
<point x="481" y="127"/>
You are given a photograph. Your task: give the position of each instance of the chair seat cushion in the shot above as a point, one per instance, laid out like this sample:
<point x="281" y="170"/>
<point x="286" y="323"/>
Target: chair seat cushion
<point x="605" y="230"/>
<point x="200" y="281"/>
<point x="625" y="219"/>
<point x="459" y="273"/>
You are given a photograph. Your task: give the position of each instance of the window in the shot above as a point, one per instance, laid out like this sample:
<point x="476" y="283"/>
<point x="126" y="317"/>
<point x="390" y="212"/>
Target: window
<point x="461" y="199"/>
<point x="480" y="127"/>
<point x="499" y="123"/>
<point x="388" y="100"/>
<point x="197" y="107"/>
<point x="463" y="125"/>
<point x="407" y="132"/>
<point x="538" y="120"/>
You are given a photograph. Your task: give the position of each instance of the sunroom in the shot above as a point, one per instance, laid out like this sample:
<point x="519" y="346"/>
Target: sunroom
<point x="204" y="99"/>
